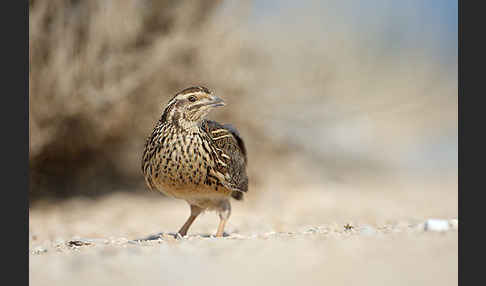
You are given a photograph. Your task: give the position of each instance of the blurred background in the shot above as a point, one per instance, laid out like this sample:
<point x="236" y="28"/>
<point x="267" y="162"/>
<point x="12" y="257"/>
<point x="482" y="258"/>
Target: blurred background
<point x="324" y="93"/>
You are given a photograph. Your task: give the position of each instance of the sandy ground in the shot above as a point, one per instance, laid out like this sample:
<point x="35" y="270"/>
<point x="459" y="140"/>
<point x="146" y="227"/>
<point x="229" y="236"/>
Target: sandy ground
<point x="340" y="235"/>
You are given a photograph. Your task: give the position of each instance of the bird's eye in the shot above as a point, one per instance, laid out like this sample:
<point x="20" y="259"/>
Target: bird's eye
<point x="192" y="98"/>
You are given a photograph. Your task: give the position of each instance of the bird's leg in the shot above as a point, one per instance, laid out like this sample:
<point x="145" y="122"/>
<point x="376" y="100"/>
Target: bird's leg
<point x="224" y="214"/>
<point x="195" y="211"/>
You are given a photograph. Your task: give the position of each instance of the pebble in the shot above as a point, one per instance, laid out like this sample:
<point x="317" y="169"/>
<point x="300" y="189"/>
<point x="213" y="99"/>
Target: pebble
<point x="367" y="230"/>
<point x="78" y="243"/>
<point x="436" y="225"/>
<point x="312" y="230"/>
<point x="39" y="250"/>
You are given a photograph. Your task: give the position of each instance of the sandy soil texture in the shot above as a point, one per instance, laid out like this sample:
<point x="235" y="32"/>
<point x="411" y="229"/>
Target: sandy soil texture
<point x="333" y="236"/>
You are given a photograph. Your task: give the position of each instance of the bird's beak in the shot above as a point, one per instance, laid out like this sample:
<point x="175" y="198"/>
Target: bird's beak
<point x="216" y="101"/>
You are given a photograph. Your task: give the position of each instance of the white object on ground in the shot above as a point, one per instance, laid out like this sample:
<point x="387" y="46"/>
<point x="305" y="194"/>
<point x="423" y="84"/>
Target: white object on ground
<point x="367" y="230"/>
<point x="436" y="225"/>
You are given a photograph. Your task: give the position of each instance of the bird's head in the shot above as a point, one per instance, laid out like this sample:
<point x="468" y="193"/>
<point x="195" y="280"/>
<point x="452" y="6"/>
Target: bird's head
<point x="190" y="106"/>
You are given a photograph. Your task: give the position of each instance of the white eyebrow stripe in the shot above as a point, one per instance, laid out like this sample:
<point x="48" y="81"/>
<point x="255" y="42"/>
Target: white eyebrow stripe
<point x="192" y="93"/>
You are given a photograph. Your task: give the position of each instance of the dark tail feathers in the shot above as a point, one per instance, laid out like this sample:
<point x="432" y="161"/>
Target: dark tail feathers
<point x="237" y="195"/>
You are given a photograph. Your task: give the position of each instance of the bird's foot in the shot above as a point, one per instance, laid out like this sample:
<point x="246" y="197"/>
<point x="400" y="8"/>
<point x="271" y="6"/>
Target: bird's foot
<point x="224" y="234"/>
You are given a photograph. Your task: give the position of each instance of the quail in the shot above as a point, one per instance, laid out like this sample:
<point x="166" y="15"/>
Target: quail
<point x="195" y="159"/>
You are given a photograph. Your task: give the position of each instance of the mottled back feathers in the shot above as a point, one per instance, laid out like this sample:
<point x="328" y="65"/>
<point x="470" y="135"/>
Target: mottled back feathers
<point x="227" y="139"/>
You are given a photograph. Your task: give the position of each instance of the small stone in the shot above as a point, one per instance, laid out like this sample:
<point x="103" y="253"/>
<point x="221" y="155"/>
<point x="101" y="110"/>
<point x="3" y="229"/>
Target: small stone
<point x="78" y="243"/>
<point x="59" y="243"/>
<point x="436" y="225"/>
<point x="39" y="250"/>
<point x="348" y="227"/>
<point x="312" y="230"/>
<point x="94" y="241"/>
<point x="367" y="230"/>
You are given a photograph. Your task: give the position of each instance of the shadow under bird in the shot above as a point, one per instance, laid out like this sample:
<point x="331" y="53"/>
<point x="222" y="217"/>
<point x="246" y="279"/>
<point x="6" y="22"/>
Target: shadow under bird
<point x="200" y="161"/>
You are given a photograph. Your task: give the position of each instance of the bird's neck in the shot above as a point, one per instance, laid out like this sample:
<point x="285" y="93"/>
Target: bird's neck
<point x="187" y="125"/>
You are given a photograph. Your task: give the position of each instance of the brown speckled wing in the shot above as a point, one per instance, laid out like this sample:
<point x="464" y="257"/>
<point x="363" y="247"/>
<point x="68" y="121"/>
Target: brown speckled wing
<point x="233" y="154"/>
